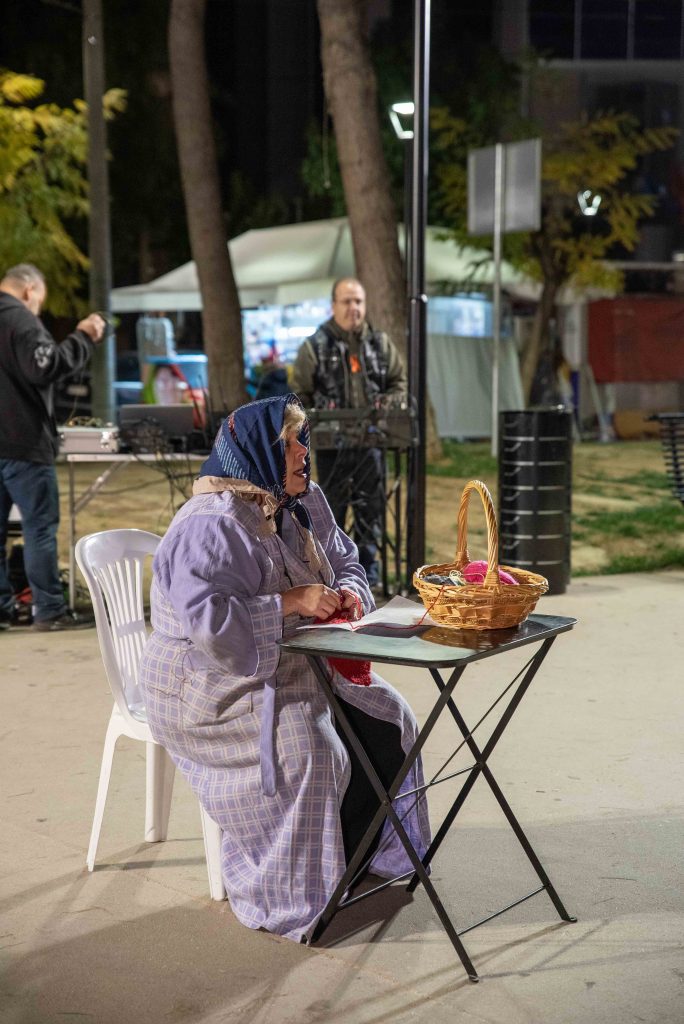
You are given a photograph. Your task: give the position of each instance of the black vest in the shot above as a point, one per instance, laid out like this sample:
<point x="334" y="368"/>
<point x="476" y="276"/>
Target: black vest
<point x="332" y="377"/>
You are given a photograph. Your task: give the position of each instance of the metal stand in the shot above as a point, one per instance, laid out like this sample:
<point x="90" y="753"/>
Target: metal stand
<point x="393" y="432"/>
<point x="394" y="497"/>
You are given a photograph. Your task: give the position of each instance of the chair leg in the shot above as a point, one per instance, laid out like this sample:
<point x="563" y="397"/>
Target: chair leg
<point x="160" y="775"/>
<point x="113" y="733"/>
<point x="212" y="833"/>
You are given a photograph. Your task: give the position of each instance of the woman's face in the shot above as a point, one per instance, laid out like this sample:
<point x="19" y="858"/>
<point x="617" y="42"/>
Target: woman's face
<point x="295" y="474"/>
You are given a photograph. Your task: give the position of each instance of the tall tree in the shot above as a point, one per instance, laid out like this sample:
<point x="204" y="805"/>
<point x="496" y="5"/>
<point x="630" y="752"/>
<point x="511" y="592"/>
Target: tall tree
<point x="351" y="93"/>
<point x="221" y="320"/>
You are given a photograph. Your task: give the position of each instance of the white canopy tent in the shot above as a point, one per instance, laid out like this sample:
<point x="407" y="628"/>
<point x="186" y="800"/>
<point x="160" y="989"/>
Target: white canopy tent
<point x="297" y="262"/>
<point x="282" y="266"/>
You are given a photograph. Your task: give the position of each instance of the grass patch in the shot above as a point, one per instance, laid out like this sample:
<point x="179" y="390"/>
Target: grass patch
<point x="464" y="460"/>
<point x="649" y="479"/>
<point x="664" y="558"/>
<point x="666" y="517"/>
<point x="597" y="490"/>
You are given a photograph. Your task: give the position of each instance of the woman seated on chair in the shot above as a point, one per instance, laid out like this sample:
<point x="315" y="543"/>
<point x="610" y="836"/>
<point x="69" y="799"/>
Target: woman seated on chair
<point x="254" y="554"/>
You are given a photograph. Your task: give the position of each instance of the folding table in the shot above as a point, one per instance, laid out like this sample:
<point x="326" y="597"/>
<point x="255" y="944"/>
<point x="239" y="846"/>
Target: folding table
<point x="432" y="648"/>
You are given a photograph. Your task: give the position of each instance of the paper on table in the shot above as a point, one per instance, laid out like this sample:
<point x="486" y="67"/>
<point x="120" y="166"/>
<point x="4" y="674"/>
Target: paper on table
<point x="399" y="612"/>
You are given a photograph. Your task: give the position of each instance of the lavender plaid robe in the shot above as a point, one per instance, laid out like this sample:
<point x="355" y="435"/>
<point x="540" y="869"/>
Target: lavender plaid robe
<point x="209" y="667"/>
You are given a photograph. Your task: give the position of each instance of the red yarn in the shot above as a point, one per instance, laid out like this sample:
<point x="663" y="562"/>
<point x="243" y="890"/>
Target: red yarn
<point x="358" y="672"/>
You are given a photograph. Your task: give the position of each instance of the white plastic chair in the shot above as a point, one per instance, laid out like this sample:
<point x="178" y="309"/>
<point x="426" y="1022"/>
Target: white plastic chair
<point x="112" y="563"/>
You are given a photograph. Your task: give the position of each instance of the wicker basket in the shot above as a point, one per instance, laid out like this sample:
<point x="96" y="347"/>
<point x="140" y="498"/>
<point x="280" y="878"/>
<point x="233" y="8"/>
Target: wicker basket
<point x="488" y="605"/>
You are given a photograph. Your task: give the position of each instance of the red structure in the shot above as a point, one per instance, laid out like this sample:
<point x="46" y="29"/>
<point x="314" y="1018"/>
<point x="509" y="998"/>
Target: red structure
<point x="635" y="339"/>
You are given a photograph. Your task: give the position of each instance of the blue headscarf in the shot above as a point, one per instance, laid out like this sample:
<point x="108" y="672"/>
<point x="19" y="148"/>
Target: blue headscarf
<point x="248" y="447"/>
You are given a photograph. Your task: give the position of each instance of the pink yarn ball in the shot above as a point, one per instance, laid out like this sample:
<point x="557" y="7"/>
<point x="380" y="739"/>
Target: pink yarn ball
<point x="475" y="572"/>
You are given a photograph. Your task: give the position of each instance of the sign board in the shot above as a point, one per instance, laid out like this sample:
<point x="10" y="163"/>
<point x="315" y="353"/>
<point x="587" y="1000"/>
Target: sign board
<point x="521" y="208"/>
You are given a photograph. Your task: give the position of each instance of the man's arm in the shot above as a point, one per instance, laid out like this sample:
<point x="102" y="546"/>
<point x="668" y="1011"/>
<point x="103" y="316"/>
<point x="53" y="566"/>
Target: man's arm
<point x="303" y="374"/>
<point x="397" y="379"/>
<point x="43" y="361"/>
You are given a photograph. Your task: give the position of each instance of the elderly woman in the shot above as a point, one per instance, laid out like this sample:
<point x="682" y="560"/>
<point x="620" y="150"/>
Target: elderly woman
<point x="254" y="554"/>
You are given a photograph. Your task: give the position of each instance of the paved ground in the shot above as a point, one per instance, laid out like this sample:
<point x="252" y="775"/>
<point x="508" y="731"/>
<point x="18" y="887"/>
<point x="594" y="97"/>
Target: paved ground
<point x="592" y="764"/>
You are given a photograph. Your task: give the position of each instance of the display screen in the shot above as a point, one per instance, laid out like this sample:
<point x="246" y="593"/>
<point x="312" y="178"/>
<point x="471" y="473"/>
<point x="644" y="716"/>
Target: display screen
<point x="273" y="334"/>
<point x="464" y="316"/>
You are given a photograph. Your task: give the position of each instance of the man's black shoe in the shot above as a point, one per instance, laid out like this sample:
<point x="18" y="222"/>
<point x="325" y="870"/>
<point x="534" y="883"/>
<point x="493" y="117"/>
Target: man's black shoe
<point x="22" y="616"/>
<point x="68" y="620"/>
<point x="8" y="619"/>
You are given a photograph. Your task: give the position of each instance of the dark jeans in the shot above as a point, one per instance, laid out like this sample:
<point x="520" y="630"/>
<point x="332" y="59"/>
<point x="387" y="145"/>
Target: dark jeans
<point x="356" y="477"/>
<point x="32" y="487"/>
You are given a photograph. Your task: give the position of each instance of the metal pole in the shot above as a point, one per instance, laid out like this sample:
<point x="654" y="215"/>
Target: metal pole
<point x="417" y="337"/>
<point x="99" y="244"/>
<point x="499" y="193"/>
<point x="408" y="199"/>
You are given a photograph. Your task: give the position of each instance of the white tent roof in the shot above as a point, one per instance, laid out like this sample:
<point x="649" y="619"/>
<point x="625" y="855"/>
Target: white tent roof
<point x="296" y="262"/>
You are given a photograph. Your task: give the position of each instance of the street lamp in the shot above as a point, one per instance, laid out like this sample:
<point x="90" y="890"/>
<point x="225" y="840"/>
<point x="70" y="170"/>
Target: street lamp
<point x="397" y="111"/>
<point x="588" y="202"/>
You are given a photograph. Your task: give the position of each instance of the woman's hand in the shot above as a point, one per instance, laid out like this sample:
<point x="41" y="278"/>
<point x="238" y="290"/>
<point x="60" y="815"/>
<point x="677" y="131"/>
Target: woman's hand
<point x="351" y="604"/>
<point x="313" y="601"/>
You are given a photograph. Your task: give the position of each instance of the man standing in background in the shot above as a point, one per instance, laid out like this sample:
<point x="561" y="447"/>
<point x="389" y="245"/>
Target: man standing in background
<point x="348" y="365"/>
<point x="30" y="363"/>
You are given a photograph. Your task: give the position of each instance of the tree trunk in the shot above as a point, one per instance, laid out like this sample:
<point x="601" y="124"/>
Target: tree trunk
<point x="538" y="336"/>
<point x="351" y="93"/>
<point x="221" y="321"/>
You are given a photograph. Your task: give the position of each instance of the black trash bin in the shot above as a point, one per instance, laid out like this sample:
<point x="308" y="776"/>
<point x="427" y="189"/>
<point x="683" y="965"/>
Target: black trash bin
<point x="535" y="492"/>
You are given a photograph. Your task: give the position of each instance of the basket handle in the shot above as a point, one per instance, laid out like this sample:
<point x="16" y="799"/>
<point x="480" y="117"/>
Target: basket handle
<point x="462" y="557"/>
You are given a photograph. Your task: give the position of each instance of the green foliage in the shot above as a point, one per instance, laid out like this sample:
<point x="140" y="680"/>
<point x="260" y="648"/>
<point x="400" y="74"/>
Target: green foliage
<point x="666" y="557"/>
<point x="666" y="517"/>
<point x="464" y="460"/>
<point x="600" y="151"/>
<point x="649" y="480"/>
<point x="43" y="189"/>
<point x="321" y="171"/>
<point x="248" y="209"/>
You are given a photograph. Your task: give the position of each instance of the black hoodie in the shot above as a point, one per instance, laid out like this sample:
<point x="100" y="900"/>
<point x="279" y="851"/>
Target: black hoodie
<point x="30" y="362"/>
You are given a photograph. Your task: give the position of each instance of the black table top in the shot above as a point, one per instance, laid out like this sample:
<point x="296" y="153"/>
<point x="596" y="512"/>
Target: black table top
<point x="426" y="646"/>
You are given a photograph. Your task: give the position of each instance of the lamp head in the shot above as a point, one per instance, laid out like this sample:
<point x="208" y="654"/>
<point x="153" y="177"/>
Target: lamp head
<point x="396" y="112"/>
<point x="588" y="202"/>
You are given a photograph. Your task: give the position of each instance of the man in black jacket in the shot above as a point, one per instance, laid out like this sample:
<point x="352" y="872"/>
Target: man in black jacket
<point x="348" y="365"/>
<point x="30" y="363"/>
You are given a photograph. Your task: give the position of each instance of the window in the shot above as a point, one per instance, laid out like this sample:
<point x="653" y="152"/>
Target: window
<point x="604" y="29"/>
<point x="608" y="29"/>
<point x="658" y="29"/>
<point x="552" y="27"/>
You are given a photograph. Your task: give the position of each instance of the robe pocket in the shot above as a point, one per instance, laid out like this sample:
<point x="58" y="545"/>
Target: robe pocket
<point x="162" y="670"/>
<point x="207" y="702"/>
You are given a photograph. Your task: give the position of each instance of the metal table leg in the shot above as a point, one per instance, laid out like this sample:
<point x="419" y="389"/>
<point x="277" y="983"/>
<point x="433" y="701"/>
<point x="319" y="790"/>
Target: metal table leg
<point x="386" y="810"/>
<point x="481" y="767"/>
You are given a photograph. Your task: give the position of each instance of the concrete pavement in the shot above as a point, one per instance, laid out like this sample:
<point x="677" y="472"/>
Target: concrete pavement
<point x="591" y="763"/>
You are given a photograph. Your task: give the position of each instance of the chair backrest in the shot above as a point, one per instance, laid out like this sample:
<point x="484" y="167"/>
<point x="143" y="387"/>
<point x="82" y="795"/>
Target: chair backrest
<point x="112" y="563"/>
